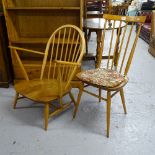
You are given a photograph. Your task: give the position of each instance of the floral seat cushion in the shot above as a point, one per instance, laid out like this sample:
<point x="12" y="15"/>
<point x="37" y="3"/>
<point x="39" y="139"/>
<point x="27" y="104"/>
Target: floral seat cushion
<point x="102" y="77"/>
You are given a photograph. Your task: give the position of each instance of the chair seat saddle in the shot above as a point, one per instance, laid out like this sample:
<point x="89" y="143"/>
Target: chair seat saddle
<point x="40" y="90"/>
<point x="102" y="77"/>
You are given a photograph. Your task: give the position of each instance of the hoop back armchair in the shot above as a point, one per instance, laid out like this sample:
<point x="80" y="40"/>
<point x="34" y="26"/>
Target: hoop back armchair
<point x="63" y="54"/>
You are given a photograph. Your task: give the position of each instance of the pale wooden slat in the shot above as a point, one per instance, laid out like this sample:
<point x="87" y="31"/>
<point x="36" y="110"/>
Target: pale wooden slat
<point x="77" y="54"/>
<point x="127" y="45"/>
<point x="52" y="51"/>
<point x="116" y="46"/>
<point x="132" y="51"/>
<point x="68" y="41"/>
<point x="102" y="38"/>
<point x="75" y="49"/>
<point x="111" y="40"/>
<point x="62" y="48"/>
<point x="70" y="52"/>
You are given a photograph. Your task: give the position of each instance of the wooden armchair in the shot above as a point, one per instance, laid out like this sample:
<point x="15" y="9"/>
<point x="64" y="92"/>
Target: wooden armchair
<point x="63" y="54"/>
<point x="112" y="76"/>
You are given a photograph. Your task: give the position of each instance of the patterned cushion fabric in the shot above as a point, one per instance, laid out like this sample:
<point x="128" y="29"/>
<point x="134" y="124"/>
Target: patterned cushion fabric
<point x="102" y="77"/>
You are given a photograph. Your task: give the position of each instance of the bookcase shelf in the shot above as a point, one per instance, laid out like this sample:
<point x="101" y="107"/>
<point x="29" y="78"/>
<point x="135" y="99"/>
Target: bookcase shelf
<point x="30" y="23"/>
<point x="38" y="41"/>
<point x="41" y="8"/>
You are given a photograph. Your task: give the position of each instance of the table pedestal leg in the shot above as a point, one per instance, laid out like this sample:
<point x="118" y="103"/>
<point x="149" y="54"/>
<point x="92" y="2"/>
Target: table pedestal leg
<point x="86" y="39"/>
<point x="117" y="47"/>
<point x="99" y="49"/>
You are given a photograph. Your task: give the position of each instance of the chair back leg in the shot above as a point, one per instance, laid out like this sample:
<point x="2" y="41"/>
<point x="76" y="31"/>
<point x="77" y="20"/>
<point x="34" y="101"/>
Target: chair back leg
<point x="78" y="100"/>
<point x="108" y="111"/>
<point x="123" y="100"/>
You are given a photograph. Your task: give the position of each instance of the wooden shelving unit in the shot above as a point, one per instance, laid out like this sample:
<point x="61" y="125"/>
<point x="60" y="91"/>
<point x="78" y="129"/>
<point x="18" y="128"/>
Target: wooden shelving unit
<point x="5" y="67"/>
<point x="30" y="23"/>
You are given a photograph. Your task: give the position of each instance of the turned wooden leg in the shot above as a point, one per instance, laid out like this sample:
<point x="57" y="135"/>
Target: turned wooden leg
<point x="116" y="55"/>
<point x="78" y="100"/>
<point x="15" y="100"/>
<point x="99" y="49"/>
<point x="123" y="100"/>
<point x="46" y="115"/>
<point x="108" y="111"/>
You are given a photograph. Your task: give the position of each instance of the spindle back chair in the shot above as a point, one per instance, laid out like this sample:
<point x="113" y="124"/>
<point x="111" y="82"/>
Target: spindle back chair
<point x="119" y="47"/>
<point x="63" y="54"/>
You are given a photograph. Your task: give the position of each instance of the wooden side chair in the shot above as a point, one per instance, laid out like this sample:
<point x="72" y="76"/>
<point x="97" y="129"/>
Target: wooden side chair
<point x="112" y="74"/>
<point x="63" y="54"/>
<point x="119" y="10"/>
<point x="94" y="5"/>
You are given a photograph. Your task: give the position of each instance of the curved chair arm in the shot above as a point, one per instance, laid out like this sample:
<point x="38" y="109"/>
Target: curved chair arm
<point x="15" y="51"/>
<point x="26" y="50"/>
<point x="68" y="77"/>
<point x="67" y="63"/>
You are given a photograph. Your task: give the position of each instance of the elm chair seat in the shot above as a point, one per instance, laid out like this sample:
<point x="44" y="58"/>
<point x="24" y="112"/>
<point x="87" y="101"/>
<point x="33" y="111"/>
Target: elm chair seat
<point x="60" y="60"/>
<point x="47" y="90"/>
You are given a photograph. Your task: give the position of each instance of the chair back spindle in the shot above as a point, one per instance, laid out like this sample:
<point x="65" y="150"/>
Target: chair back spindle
<point x="66" y="44"/>
<point x="120" y="46"/>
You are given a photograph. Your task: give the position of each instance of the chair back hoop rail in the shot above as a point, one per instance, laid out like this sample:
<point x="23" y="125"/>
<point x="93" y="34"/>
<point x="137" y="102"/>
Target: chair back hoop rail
<point x="63" y="54"/>
<point x="66" y="37"/>
<point x="73" y="38"/>
<point x="119" y="48"/>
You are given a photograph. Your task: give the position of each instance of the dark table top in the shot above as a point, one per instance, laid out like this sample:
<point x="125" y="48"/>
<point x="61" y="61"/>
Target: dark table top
<point x="98" y="23"/>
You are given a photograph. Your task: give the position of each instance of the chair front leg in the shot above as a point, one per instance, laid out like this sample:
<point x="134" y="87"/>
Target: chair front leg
<point x="123" y="100"/>
<point x="78" y="100"/>
<point x="15" y="100"/>
<point x="46" y="115"/>
<point x="108" y="111"/>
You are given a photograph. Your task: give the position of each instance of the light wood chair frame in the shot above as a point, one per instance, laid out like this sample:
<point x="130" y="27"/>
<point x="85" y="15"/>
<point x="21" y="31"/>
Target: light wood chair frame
<point x="75" y="57"/>
<point x="113" y="62"/>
